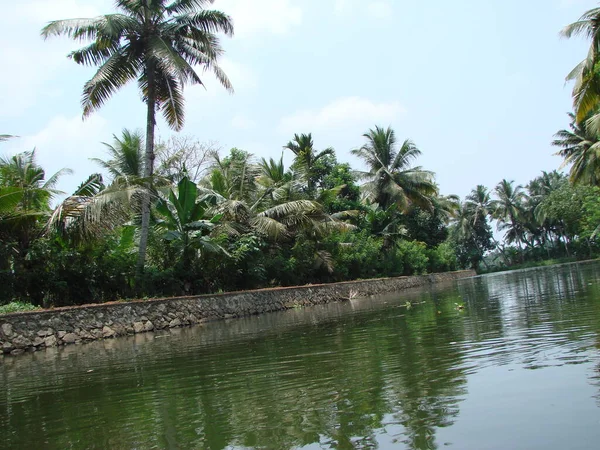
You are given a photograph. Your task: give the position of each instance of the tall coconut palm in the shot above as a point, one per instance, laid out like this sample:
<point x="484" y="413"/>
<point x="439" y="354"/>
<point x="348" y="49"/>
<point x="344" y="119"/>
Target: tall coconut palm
<point x="156" y="43"/>
<point x="306" y="157"/>
<point x="586" y="91"/>
<point x="580" y="148"/>
<point x="509" y="210"/>
<point x="392" y="180"/>
<point x="472" y="231"/>
<point x="480" y="201"/>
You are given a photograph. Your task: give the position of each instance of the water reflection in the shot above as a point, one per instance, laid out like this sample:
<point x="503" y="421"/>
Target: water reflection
<point x="366" y="374"/>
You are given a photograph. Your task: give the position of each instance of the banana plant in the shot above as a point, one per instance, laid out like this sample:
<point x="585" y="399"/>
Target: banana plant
<point x="185" y="222"/>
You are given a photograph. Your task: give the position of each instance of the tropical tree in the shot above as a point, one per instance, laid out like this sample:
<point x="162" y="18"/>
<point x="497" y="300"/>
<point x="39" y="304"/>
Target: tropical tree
<point x="156" y="43"/>
<point x="25" y="196"/>
<point x="471" y="235"/>
<point x="508" y="209"/>
<point x="233" y="177"/>
<point x="392" y="180"/>
<point x="306" y="158"/>
<point x="586" y="90"/>
<point x="277" y="184"/>
<point x="480" y="201"/>
<point x="185" y="221"/>
<point x="126" y="163"/>
<point x="580" y="148"/>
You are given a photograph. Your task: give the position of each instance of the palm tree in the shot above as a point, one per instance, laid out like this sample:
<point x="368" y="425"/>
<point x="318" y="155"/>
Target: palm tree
<point x="580" y="148"/>
<point x="392" y="179"/>
<point x="126" y="163"/>
<point x="480" y="201"/>
<point x="472" y="232"/>
<point x="481" y="206"/>
<point x="233" y="177"/>
<point x="25" y="196"/>
<point x="509" y="210"/>
<point x="306" y="157"/>
<point x="157" y="43"/>
<point x="277" y="184"/>
<point x="586" y="92"/>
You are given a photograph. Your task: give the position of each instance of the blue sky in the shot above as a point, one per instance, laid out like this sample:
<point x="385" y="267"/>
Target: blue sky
<point x="478" y="85"/>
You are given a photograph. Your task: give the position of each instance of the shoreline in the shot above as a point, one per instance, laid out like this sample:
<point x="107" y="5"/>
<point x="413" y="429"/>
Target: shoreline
<point x="36" y="330"/>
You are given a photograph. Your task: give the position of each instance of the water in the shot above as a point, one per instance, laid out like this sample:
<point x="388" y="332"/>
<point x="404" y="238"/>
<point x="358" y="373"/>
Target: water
<point x="517" y="368"/>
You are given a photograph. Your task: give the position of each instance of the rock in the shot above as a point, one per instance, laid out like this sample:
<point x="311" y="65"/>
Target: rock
<point x="96" y="333"/>
<point x="7" y="329"/>
<point x="175" y="323"/>
<point x="161" y="324"/>
<point x="69" y="338"/>
<point x="50" y="341"/>
<point x="86" y="335"/>
<point x="21" y="342"/>
<point x="61" y="334"/>
<point x="45" y="333"/>
<point x="38" y="341"/>
<point x="138" y="327"/>
<point x="7" y="347"/>
<point x="17" y="351"/>
<point x="148" y="326"/>
<point x="108" y="332"/>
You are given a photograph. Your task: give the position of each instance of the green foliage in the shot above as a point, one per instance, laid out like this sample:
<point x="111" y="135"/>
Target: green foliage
<point x="442" y="258"/>
<point x="425" y="226"/>
<point x="413" y="257"/>
<point x="16" y="307"/>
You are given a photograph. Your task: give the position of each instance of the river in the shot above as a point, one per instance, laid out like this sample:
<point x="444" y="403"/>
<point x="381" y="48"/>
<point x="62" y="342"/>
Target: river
<point x="504" y="361"/>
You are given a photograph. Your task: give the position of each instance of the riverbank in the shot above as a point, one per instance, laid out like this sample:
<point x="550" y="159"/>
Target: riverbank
<point x="31" y="331"/>
<point x="534" y="264"/>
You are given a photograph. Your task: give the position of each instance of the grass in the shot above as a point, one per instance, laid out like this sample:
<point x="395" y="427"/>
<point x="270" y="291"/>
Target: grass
<point x="14" y="307"/>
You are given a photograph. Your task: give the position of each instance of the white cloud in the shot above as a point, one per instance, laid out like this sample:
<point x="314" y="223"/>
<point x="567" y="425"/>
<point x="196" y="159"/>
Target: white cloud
<point x="66" y="142"/>
<point x="242" y="122"/>
<point x="262" y="16"/>
<point x="347" y="112"/>
<point x="380" y="9"/>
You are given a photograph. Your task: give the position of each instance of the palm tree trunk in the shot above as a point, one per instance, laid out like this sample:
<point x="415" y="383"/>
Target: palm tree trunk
<point x="480" y="251"/>
<point x="502" y="251"/>
<point x="148" y="168"/>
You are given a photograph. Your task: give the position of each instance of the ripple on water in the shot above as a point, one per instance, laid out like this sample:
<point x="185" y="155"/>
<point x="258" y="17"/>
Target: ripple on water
<point x="364" y="374"/>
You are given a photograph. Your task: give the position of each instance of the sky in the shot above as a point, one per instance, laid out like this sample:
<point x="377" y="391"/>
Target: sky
<point x="477" y="85"/>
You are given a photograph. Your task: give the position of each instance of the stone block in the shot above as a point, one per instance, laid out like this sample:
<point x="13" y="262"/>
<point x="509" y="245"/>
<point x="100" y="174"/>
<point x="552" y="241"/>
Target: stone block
<point x="108" y="332"/>
<point x="70" y="338"/>
<point x="50" y="341"/>
<point x="7" y="330"/>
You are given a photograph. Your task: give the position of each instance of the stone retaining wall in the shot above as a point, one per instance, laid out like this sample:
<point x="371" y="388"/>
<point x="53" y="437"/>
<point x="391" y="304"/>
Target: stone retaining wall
<point x="36" y="330"/>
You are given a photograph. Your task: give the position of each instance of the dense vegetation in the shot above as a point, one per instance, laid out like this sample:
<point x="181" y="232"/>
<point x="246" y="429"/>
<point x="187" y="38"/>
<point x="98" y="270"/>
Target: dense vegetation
<point x="177" y="217"/>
